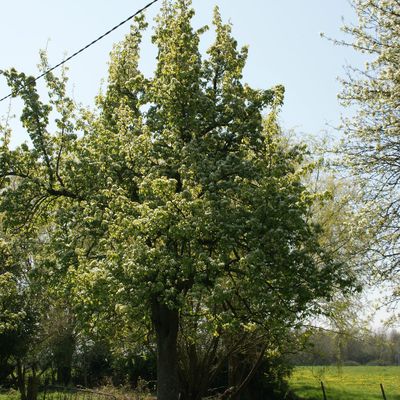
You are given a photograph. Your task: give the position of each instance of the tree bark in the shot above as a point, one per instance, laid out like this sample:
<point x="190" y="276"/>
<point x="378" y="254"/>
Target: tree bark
<point x="165" y="322"/>
<point x="235" y="395"/>
<point x="33" y="388"/>
<point x="235" y="374"/>
<point x="21" y="379"/>
<point x="63" y="357"/>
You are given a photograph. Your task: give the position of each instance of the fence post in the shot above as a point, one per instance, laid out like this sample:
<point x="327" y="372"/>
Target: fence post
<point x="323" y="390"/>
<point x="383" y="392"/>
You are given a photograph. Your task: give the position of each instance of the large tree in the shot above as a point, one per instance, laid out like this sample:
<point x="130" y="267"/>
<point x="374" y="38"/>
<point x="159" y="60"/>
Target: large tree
<point x="371" y="146"/>
<point x="175" y="199"/>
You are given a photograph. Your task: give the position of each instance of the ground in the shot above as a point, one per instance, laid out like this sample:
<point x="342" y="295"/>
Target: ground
<point x="345" y="383"/>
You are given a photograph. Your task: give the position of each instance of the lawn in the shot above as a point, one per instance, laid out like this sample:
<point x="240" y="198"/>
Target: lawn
<point x="346" y="383"/>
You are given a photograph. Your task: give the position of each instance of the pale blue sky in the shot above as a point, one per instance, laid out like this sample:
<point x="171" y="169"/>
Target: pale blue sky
<point x="283" y="35"/>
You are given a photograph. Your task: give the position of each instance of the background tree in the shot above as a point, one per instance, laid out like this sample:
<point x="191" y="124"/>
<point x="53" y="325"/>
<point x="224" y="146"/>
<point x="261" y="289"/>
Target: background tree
<point x="371" y="146"/>
<point x="19" y="316"/>
<point x="354" y="347"/>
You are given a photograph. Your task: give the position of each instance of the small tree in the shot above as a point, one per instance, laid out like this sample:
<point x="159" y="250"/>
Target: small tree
<point x="19" y="316"/>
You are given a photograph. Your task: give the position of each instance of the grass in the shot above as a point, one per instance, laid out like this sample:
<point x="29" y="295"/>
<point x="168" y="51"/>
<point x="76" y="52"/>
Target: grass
<point x="11" y="395"/>
<point x="346" y="383"/>
<point x="99" y="394"/>
<point x="341" y="383"/>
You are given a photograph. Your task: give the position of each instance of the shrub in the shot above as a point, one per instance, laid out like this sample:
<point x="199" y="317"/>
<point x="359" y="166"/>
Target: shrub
<point x="351" y="363"/>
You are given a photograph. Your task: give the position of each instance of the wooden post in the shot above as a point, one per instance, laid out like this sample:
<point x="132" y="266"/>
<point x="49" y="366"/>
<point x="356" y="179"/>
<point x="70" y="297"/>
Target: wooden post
<point x="383" y="392"/>
<point x="323" y="390"/>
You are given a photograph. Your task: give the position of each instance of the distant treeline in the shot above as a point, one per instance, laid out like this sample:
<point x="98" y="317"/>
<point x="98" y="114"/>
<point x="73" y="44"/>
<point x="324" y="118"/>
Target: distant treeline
<point x="366" y="348"/>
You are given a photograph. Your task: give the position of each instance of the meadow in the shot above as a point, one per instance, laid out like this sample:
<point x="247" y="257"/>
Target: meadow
<point x="346" y="383"/>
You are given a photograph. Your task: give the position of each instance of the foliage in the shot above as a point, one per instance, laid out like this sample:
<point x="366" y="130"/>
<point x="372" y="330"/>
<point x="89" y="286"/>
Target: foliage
<point x="18" y="300"/>
<point x="176" y="200"/>
<point x="371" y="144"/>
<point x="360" y="347"/>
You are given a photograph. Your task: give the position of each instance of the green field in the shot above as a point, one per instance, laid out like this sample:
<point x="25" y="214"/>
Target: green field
<point x="346" y="383"/>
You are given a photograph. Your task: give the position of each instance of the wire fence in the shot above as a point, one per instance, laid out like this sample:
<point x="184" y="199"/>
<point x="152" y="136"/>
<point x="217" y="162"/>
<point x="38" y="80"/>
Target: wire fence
<point x="326" y="397"/>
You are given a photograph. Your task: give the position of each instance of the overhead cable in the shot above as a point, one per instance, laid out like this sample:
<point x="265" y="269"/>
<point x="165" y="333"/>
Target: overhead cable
<point x="88" y="45"/>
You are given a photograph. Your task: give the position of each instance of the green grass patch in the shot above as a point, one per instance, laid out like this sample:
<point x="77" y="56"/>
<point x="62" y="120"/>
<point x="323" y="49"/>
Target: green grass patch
<point x="346" y="383"/>
<point x="11" y="395"/>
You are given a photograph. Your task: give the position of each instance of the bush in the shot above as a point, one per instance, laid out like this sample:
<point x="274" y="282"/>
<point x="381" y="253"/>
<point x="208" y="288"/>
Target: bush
<point x="351" y="363"/>
<point x="378" y="363"/>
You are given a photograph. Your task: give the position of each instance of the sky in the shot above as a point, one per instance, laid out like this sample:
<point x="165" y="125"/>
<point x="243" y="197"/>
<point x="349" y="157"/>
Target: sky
<point x="283" y="38"/>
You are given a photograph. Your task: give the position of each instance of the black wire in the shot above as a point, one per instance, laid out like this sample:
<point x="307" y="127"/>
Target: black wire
<point x="88" y="45"/>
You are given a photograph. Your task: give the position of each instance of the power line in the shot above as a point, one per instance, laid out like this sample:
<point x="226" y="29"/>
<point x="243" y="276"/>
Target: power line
<point x="89" y="45"/>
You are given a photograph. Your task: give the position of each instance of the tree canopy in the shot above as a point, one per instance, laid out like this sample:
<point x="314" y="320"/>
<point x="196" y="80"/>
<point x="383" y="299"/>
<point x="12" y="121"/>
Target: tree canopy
<point x="177" y="200"/>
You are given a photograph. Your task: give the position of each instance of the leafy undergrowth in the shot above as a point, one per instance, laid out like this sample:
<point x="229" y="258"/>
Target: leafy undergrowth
<point x="120" y="393"/>
<point x="142" y="391"/>
<point x="346" y="383"/>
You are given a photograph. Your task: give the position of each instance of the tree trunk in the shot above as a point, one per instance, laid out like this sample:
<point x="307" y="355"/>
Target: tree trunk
<point x="63" y="357"/>
<point x="21" y="380"/>
<point x="243" y="383"/>
<point x="235" y="373"/>
<point x="199" y="366"/>
<point x="33" y="388"/>
<point x="165" y="323"/>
